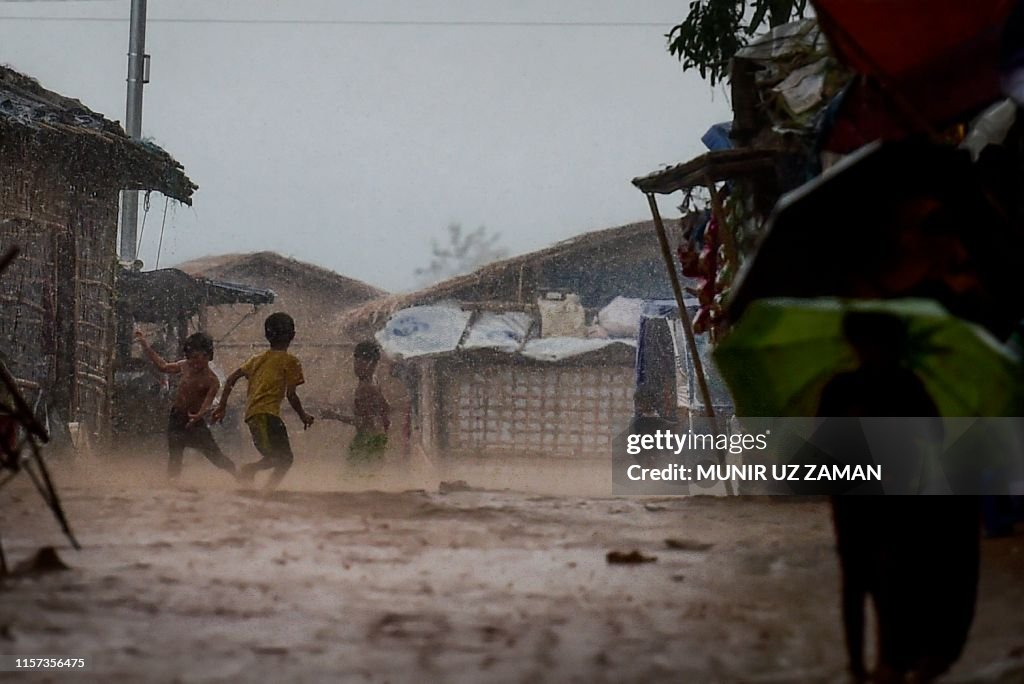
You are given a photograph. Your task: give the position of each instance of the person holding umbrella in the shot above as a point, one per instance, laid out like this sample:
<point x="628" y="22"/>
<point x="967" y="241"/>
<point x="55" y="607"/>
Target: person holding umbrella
<point x="916" y="559"/>
<point x="909" y="362"/>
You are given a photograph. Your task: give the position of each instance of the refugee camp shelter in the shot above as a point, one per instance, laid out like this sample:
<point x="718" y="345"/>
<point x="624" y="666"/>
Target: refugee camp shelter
<point x="314" y="296"/>
<point x="63" y="168"/>
<point x="529" y="356"/>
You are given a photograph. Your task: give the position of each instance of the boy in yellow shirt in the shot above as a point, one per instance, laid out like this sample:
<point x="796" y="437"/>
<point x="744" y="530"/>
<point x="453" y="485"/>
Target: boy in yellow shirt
<point x="273" y="376"/>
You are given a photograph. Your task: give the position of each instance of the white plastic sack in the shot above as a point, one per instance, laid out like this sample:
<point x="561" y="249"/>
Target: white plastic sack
<point x="563" y="317"/>
<point x="621" y="318"/>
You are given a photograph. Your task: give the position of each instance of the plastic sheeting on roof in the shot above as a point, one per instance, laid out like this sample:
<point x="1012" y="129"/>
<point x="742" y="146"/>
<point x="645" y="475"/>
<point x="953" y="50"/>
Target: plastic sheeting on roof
<point x="422" y="330"/>
<point x="558" y="348"/>
<point x="439" y="329"/>
<point x="666" y="308"/>
<point x="804" y="88"/>
<point x="502" y="331"/>
<point x="784" y="41"/>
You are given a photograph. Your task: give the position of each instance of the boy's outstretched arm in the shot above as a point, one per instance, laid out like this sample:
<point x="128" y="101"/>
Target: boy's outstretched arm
<point x="154" y="358"/>
<point x="296" y="404"/>
<point x="331" y="414"/>
<point x="222" y="407"/>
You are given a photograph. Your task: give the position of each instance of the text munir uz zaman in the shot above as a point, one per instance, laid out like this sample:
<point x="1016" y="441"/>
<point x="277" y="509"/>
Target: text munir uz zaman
<point x="668" y="441"/>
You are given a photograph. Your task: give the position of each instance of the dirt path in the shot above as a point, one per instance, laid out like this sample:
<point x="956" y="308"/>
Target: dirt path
<point x="213" y="585"/>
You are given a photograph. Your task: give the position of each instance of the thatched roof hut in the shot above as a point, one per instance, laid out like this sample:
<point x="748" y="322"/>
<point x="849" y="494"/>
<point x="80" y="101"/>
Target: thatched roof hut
<point x="37" y="117"/>
<point x="629" y="262"/>
<point x="64" y="166"/>
<point x="273" y="270"/>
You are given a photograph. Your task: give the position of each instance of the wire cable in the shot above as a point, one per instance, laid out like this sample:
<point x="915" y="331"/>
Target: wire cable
<point x="160" y="244"/>
<point x="359" y="22"/>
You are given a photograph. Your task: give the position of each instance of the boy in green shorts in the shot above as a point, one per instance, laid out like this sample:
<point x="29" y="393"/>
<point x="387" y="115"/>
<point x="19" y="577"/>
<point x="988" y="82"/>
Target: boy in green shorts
<point x="273" y="376"/>
<point x="371" y="413"/>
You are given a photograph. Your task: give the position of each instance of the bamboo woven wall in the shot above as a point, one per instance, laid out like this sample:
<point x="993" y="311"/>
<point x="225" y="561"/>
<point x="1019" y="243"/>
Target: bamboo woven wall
<point x="57" y="314"/>
<point x="551" y="411"/>
<point x="95" y="227"/>
<point x="26" y="300"/>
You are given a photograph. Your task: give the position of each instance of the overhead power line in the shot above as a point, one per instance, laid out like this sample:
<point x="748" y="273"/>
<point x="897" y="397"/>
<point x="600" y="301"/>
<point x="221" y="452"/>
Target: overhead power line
<point x="354" y="22"/>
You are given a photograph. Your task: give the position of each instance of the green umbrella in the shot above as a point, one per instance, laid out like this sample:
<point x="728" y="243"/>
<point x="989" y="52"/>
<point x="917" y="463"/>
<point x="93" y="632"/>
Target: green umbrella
<point x="782" y="352"/>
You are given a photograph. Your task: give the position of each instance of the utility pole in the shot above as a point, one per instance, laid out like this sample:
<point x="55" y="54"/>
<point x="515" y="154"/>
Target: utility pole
<point x="138" y="75"/>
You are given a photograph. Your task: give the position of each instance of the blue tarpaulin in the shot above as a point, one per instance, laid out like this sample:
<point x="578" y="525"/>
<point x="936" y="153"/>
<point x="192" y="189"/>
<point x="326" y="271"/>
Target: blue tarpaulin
<point x="665" y="309"/>
<point x="717" y="137"/>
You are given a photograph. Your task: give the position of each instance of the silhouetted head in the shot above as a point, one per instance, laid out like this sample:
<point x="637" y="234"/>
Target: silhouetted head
<point x="279" y="329"/>
<point x="877" y="338"/>
<point x="365" y="358"/>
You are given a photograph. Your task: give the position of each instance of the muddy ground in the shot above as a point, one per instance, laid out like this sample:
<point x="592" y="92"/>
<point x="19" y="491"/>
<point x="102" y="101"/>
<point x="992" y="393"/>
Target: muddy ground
<point x="504" y="582"/>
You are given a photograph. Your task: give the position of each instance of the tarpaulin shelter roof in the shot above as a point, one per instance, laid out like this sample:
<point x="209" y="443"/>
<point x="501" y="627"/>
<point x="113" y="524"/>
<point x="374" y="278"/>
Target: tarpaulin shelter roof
<point x="169" y="294"/>
<point x="445" y="328"/>
<point x="781" y="81"/>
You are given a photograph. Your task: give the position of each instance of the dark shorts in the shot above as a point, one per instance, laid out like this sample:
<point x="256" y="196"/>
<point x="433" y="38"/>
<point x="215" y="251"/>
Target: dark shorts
<point x="180" y="435"/>
<point x="270" y="436"/>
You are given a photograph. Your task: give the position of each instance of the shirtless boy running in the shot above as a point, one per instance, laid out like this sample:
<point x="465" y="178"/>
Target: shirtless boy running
<point x="186" y="426"/>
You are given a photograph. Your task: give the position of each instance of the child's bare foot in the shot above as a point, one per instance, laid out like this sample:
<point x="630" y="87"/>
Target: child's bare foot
<point x="245" y="475"/>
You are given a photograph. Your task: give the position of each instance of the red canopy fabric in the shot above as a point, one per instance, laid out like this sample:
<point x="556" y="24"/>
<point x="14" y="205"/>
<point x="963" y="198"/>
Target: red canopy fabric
<point x="936" y="60"/>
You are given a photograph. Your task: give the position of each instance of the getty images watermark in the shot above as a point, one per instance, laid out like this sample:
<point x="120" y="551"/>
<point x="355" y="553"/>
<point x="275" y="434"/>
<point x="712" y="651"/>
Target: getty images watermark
<point x="822" y="456"/>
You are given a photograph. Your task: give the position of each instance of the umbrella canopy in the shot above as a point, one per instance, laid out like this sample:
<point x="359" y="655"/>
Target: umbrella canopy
<point x="783" y="353"/>
<point x="934" y="61"/>
<point x="893" y="220"/>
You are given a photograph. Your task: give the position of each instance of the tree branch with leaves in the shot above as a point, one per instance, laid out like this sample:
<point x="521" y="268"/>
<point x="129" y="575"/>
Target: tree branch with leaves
<point x="715" y="30"/>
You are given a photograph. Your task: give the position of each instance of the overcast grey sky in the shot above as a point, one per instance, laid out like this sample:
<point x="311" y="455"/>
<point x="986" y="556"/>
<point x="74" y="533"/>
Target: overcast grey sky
<point x="351" y="145"/>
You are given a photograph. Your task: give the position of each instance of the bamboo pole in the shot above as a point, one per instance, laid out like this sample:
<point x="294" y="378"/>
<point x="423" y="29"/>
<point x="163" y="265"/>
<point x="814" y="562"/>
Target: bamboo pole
<point x="21" y="409"/>
<point x="684" y="317"/>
